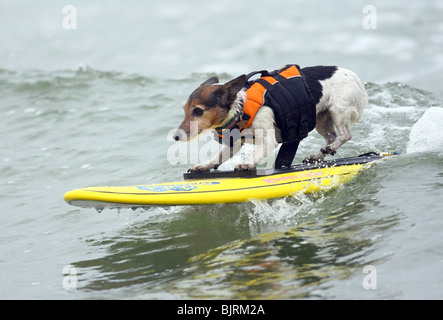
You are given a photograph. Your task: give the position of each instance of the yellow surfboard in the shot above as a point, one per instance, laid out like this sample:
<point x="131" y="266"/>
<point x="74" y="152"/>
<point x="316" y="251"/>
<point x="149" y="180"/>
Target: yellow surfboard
<point x="226" y="187"/>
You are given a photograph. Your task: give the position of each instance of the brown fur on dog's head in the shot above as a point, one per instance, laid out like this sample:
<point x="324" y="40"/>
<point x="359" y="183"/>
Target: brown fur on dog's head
<point x="208" y="106"/>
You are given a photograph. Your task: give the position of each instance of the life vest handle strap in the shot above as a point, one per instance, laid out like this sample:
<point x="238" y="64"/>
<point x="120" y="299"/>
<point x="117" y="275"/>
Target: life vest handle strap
<point x="263" y="73"/>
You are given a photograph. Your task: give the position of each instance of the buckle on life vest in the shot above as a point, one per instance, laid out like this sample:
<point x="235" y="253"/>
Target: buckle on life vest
<point x="245" y="117"/>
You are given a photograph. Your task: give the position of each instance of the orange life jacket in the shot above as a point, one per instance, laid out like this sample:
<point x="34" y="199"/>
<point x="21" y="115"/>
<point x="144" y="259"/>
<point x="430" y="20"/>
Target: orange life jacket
<point x="285" y="91"/>
<point x="255" y="95"/>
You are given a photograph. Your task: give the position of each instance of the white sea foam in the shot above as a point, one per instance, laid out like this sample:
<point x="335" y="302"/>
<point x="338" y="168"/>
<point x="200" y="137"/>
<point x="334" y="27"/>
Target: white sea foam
<point x="426" y="134"/>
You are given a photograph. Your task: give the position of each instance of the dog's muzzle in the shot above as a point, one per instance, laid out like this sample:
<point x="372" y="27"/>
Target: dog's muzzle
<point x="180" y="135"/>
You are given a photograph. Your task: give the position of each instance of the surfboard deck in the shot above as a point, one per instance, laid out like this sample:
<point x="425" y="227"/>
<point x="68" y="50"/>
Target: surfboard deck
<point x="227" y="186"/>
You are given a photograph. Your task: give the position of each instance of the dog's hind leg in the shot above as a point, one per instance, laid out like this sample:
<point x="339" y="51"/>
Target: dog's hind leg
<point x="325" y="127"/>
<point x="344" y="99"/>
<point x="342" y="136"/>
<point x="336" y="129"/>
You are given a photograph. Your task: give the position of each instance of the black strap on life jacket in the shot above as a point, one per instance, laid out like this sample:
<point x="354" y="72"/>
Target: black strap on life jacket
<point x="292" y="104"/>
<point x="294" y="111"/>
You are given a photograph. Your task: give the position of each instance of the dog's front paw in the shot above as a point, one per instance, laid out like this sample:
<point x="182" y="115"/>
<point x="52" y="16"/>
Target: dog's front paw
<point x="200" y="168"/>
<point x="245" y="167"/>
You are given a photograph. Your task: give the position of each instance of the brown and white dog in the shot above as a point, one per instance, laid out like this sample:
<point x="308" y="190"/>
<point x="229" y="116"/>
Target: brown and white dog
<point x="339" y="96"/>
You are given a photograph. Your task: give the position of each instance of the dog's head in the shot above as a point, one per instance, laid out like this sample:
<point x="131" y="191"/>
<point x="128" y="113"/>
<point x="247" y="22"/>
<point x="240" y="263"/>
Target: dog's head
<point x="208" y="106"/>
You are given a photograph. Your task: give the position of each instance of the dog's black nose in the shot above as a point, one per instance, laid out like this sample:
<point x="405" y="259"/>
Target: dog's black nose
<point x="177" y="135"/>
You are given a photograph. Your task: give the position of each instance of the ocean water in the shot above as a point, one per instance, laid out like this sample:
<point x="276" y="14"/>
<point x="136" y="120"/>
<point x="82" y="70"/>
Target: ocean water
<point x="96" y="105"/>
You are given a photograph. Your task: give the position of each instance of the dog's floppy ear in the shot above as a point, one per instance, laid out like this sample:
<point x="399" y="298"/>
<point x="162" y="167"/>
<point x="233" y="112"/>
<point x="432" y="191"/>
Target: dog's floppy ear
<point x="234" y="86"/>
<point x="210" y="81"/>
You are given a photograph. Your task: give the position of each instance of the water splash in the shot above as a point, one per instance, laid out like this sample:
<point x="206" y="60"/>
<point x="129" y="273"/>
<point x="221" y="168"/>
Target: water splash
<point x="426" y="134"/>
<point x="281" y="213"/>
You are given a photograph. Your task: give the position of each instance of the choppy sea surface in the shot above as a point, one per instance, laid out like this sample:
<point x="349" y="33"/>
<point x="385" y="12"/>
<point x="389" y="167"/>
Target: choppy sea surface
<point x="96" y="105"/>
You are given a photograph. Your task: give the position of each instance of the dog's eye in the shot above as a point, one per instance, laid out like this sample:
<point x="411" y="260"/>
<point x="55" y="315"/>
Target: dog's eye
<point x="197" y="112"/>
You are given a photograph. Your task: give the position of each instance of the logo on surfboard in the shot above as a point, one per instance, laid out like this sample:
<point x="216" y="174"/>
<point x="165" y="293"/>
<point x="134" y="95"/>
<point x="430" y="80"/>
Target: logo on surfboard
<point x="174" y="187"/>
